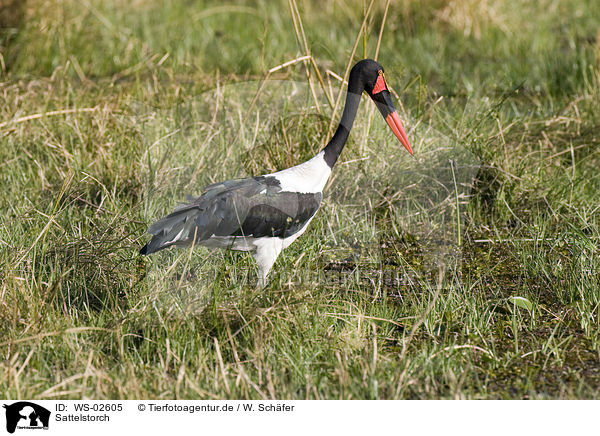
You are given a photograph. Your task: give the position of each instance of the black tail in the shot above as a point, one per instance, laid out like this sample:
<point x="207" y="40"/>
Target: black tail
<point x="157" y="243"/>
<point x="152" y="246"/>
<point x="144" y="250"/>
<point x="177" y="228"/>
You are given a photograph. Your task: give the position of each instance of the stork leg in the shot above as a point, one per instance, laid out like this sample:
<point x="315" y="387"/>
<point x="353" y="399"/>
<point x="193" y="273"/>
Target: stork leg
<point x="265" y="255"/>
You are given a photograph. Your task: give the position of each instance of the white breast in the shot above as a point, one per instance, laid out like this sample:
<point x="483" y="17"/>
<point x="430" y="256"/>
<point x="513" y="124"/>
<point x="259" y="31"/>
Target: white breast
<point x="308" y="177"/>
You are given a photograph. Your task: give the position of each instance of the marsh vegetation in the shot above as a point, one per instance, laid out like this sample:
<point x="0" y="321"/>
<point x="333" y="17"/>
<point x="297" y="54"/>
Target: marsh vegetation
<point x="470" y="271"/>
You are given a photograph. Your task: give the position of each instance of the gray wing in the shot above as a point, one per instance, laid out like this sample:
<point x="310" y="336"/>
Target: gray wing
<point x="244" y="207"/>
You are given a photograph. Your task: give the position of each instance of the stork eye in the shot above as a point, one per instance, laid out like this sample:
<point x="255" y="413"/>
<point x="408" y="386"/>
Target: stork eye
<point x="379" y="84"/>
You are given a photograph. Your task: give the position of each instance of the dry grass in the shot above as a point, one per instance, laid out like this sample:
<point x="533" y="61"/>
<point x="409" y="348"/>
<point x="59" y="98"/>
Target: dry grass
<point x="405" y="285"/>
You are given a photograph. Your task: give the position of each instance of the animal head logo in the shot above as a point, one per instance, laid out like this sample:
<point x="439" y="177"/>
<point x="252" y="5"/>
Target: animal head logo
<point x="26" y="415"/>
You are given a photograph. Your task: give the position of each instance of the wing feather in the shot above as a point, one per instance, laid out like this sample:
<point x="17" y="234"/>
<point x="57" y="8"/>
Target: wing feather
<point x="244" y="207"/>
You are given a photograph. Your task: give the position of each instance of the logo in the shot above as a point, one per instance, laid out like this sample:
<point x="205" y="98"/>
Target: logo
<point x="26" y="415"/>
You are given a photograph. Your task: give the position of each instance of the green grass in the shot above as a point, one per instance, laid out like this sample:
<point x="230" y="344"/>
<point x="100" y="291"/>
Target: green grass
<point x="392" y="293"/>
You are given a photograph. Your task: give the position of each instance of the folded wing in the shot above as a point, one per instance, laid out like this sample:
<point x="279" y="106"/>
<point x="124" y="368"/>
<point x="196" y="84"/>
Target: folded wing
<point x="253" y="207"/>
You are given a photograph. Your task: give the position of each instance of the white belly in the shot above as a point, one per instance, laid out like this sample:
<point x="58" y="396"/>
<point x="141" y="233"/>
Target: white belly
<point x="250" y="243"/>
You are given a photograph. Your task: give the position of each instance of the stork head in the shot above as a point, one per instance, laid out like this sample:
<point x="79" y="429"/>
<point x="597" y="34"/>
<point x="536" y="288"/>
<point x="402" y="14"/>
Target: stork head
<point x="368" y="75"/>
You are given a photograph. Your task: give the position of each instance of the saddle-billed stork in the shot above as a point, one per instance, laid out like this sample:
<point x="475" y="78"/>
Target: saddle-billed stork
<point x="265" y="214"/>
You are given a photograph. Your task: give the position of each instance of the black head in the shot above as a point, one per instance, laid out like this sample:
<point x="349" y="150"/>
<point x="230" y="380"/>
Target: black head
<point x="367" y="75"/>
<point x="364" y="74"/>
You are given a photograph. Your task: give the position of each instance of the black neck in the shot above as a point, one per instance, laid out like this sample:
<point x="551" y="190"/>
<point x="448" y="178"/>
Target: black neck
<point x="336" y="144"/>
